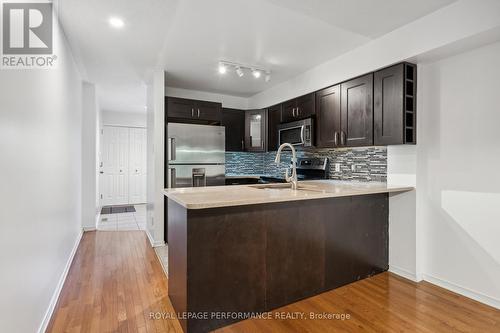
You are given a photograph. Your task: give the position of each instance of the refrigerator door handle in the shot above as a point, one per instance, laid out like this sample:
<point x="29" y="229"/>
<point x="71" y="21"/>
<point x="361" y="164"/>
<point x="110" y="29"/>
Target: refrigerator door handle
<point x="172" y="149"/>
<point x="171" y="178"/>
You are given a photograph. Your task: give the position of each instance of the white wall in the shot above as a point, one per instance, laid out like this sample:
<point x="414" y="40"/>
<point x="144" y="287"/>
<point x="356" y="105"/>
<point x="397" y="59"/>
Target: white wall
<point x="40" y="191"/>
<point x="458" y="184"/>
<point x="227" y="101"/>
<point x="90" y="135"/>
<point x="129" y="119"/>
<point x="155" y="157"/>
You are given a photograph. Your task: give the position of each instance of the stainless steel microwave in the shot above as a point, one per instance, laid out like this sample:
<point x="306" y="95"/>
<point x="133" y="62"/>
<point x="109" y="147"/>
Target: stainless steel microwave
<point x="297" y="133"/>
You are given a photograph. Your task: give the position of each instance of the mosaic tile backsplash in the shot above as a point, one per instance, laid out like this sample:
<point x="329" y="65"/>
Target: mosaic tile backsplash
<point x="360" y="164"/>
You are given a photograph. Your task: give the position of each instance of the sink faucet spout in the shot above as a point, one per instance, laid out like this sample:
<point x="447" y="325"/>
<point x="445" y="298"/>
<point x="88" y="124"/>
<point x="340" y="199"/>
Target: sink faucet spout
<point x="293" y="178"/>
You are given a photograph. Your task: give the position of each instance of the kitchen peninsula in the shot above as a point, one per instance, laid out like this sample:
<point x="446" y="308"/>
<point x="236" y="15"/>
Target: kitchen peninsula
<point x="253" y="248"/>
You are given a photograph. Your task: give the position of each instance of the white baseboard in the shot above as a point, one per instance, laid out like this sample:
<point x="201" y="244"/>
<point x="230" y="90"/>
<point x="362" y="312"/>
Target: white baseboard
<point x="85" y="229"/>
<point x="404" y="273"/>
<point x="152" y="241"/>
<point x="60" y="284"/>
<point x="477" y="296"/>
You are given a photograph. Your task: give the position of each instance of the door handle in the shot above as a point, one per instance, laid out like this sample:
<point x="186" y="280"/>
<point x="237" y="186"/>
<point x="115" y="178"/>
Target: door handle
<point x="172" y="149"/>
<point x="336" y="138"/>
<point x="302" y="134"/>
<point x="172" y="178"/>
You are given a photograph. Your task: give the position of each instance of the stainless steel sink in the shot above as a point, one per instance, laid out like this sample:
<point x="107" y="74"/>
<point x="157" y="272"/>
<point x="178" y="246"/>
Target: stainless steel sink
<point x="283" y="186"/>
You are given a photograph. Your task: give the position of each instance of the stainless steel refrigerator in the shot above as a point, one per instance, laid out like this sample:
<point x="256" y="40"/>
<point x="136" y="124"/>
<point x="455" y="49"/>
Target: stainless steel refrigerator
<point x="196" y="155"/>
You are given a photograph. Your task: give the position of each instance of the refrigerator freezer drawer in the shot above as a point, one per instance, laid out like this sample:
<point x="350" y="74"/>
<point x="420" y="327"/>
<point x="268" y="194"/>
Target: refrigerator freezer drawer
<point x="196" y="175"/>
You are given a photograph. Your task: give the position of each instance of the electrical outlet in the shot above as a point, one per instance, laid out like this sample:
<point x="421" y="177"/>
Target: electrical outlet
<point x="337" y="167"/>
<point x="353" y="168"/>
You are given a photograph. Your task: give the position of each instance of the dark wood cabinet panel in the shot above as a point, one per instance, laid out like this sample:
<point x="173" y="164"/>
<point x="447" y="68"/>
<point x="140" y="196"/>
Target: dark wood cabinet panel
<point x="189" y="110"/>
<point x="208" y="110"/>
<point x="328" y="117"/>
<point x="357" y="112"/>
<point x="288" y="111"/>
<point x="305" y="106"/>
<point x="357" y="239"/>
<point x="234" y="121"/>
<point x="298" y="108"/>
<point x="273" y="121"/>
<point x="388" y="92"/>
<point x="255" y="130"/>
<point x="180" y="108"/>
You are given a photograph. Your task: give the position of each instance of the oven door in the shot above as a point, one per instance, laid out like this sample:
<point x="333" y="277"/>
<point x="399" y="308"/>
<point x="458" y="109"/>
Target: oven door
<point x="293" y="135"/>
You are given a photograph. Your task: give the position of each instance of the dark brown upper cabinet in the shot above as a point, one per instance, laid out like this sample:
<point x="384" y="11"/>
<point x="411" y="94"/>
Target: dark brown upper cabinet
<point x="328" y="125"/>
<point x="255" y="130"/>
<point x="273" y="121"/>
<point x="357" y="112"/>
<point x="189" y="110"/>
<point x="234" y="121"/>
<point x="298" y="108"/>
<point x="394" y="105"/>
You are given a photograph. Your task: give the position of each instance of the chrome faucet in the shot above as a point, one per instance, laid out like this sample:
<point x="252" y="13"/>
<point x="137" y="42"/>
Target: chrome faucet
<point x="293" y="178"/>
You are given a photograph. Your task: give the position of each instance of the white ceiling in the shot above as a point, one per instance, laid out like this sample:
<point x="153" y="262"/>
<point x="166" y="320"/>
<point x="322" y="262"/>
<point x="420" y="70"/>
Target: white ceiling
<point x="189" y="37"/>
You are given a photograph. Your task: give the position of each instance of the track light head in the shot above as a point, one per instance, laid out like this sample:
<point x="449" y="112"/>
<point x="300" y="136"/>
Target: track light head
<point x="256" y="73"/>
<point x="222" y="68"/>
<point x="239" y="71"/>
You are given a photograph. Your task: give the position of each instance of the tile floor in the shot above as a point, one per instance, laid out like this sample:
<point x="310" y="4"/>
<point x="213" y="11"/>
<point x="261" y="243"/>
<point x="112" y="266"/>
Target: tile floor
<point x="124" y="221"/>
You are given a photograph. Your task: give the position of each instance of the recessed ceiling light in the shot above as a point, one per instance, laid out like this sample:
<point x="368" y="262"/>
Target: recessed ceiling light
<point x="222" y="68"/>
<point x="116" y="22"/>
<point x="256" y="73"/>
<point x="239" y="71"/>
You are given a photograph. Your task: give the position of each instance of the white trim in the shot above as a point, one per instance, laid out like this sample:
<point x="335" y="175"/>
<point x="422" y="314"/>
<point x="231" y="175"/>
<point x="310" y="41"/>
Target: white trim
<point x="152" y="241"/>
<point x="477" y="296"/>
<point x="86" y="229"/>
<point x="60" y="284"/>
<point x="404" y="273"/>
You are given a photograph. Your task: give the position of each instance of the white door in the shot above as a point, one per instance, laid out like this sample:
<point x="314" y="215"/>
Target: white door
<point x="115" y="165"/>
<point x="137" y="175"/>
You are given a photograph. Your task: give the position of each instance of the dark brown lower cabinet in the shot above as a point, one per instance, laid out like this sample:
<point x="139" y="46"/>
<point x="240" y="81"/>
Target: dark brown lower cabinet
<point x="259" y="257"/>
<point x="357" y="112"/>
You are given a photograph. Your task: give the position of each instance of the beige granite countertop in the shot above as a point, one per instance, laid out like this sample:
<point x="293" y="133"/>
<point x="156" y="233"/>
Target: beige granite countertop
<point x="239" y="195"/>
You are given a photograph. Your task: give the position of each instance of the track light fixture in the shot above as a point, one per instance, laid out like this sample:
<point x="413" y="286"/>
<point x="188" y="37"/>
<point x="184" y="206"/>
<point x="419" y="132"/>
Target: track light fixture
<point x="240" y="70"/>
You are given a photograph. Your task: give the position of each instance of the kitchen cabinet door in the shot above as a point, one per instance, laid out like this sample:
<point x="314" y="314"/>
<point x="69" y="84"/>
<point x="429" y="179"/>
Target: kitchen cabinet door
<point x="388" y="106"/>
<point x="208" y="111"/>
<point x="305" y="106"/>
<point x="180" y="108"/>
<point x="357" y="112"/>
<point x="234" y="121"/>
<point x="288" y="110"/>
<point x="328" y="117"/>
<point x="394" y="114"/>
<point x="255" y="130"/>
<point x="273" y="121"/>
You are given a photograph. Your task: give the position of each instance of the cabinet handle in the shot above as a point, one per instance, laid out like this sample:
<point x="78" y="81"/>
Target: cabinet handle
<point x="336" y="138"/>
<point x="192" y="112"/>
<point x="198" y="113"/>
<point x="298" y="111"/>
<point x="342" y="138"/>
<point x="262" y="144"/>
<point x="293" y="112"/>
<point x="243" y="144"/>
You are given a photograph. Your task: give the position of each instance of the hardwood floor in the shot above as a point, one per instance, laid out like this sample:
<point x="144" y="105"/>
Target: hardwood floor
<point x="116" y="282"/>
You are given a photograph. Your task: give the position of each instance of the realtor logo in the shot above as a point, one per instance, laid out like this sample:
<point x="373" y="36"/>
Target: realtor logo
<point x="27" y="35"/>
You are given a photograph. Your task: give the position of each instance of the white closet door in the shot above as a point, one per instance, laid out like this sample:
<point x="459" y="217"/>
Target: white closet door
<point x="115" y="165"/>
<point x="137" y="175"/>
